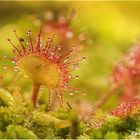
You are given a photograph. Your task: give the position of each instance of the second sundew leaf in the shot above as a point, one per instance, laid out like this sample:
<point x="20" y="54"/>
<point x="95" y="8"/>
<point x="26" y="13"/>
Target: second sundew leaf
<point x="45" y="119"/>
<point x="127" y="109"/>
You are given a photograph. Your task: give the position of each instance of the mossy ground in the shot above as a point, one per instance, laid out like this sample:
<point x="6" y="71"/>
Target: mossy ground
<point x="18" y="119"/>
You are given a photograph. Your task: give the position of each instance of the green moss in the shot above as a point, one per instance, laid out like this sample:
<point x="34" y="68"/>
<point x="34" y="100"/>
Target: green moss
<point x="19" y="120"/>
<point x="111" y="135"/>
<point x="19" y="132"/>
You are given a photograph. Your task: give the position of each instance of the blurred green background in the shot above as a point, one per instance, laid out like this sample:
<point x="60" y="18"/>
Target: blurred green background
<point x="110" y="29"/>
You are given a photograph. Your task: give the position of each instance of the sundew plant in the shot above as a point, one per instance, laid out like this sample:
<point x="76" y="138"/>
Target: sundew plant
<point x="44" y="65"/>
<point x="69" y="70"/>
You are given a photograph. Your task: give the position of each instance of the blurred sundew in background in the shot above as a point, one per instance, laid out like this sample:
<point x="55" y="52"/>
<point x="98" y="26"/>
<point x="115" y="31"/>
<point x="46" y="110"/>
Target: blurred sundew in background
<point x="103" y="31"/>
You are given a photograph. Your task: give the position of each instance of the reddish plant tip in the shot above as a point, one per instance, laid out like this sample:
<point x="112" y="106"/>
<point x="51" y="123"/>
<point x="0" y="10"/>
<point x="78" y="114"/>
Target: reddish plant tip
<point x="44" y="65"/>
<point x="127" y="73"/>
<point x="128" y="66"/>
<point x="126" y="109"/>
<point x="61" y="25"/>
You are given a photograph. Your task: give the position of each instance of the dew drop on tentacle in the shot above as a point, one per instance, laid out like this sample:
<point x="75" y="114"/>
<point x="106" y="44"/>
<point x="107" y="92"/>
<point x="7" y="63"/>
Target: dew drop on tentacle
<point x="68" y="53"/>
<point x="84" y="58"/>
<point x="71" y="92"/>
<point x="27" y="43"/>
<point x="76" y="90"/>
<point x="15" y="70"/>
<point x="84" y="93"/>
<point x="15" y="48"/>
<point x="66" y="59"/>
<point x="5" y="58"/>
<point x="77" y="77"/>
<point x="73" y="49"/>
<point x="38" y="49"/>
<point x="47" y="43"/>
<point x="59" y="47"/>
<point x="76" y="66"/>
<point x="57" y="53"/>
<point x="5" y="67"/>
<point x="70" y="76"/>
<point x="69" y="34"/>
<point x="41" y="45"/>
<point x="13" y="62"/>
<point x="20" y="40"/>
<point x="74" y="63"/>
<point x="30" y="41"/>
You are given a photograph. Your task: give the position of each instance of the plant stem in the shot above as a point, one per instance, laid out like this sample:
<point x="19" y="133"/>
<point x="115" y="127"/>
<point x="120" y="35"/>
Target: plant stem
<point x="104" y="99"/>
<point x="36" y="88"/>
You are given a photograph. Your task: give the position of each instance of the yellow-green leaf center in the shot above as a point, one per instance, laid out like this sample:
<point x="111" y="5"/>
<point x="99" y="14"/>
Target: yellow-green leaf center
<point x="40" y="70"/>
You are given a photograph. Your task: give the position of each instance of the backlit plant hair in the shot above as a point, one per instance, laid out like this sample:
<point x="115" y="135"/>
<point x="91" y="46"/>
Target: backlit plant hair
<point x="126" y="109"/>
<point x="127" y="73"/>
<point x="126" y="76"/>
<point x="44" y="65"/>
